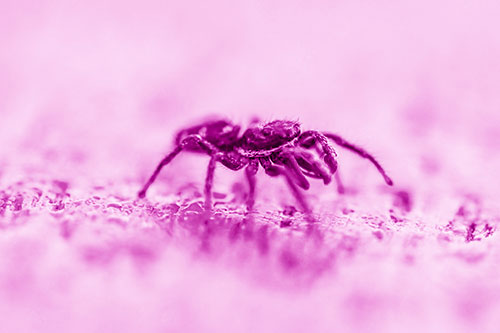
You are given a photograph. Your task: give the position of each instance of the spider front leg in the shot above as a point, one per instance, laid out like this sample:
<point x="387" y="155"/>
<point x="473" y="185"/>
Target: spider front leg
<point x="310" y="165"/>
<point x="275" y="171"/>
<point x="340" y="186"/>
<point x="361" y="152"/>
<point x="287" y="159"/>
<point x="315" y="139"/>
<point x="310" y="138"/>
<point x="205" y="145"/>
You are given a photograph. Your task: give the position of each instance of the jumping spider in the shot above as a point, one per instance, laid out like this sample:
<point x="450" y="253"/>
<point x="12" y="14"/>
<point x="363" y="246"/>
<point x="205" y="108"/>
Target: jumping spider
<point x="278" y="146"/>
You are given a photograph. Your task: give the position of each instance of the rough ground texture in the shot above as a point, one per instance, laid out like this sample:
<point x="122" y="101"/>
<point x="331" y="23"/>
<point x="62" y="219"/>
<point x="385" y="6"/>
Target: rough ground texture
<point x="91" y="94"/>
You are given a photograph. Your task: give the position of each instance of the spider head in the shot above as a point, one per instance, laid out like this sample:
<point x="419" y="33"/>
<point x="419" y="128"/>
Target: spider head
<point x="272" y="134"/>
<point x="281" y="129"/>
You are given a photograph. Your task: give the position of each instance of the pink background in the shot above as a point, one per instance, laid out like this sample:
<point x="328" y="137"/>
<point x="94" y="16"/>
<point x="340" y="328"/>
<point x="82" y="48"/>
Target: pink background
<point x="91" y="93"/>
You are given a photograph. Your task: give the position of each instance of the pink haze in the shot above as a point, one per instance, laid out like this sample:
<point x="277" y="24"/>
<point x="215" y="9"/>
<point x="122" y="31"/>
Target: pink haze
<point x="92" y="94"/>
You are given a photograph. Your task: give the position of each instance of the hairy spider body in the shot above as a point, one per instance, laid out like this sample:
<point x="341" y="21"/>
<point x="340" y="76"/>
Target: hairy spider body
<point x="279" y="147"/>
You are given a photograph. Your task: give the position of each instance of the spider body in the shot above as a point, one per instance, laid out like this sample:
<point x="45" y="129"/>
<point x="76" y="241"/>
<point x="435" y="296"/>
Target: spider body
<point x="220" y="133"/>
<point x="269" y="136"/>
<point x="279" y="147"/>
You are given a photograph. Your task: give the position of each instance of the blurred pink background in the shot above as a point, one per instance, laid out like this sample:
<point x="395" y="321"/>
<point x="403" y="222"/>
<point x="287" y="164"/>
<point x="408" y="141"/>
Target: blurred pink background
<point x="91" y="92"/>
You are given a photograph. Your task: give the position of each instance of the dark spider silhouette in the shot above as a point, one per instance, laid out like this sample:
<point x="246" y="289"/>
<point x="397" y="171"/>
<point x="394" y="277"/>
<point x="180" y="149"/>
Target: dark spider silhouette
<point x="278" y="146"/>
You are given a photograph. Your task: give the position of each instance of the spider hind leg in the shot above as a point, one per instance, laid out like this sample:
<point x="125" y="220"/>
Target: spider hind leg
<point x="209" y="180"/>
<point x="186" y="142"/>
<point x="164" y="162"/>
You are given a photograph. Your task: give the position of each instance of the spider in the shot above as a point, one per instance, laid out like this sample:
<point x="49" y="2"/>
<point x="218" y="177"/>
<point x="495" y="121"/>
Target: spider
<point x="279" y="146"/>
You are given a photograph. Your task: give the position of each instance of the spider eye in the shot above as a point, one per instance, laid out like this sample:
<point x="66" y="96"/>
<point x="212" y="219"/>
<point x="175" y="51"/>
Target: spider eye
<point x="266" y="131"/>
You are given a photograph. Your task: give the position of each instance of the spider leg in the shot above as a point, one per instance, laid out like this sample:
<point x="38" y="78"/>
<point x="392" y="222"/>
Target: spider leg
<point x="340" y="185"/>
<point x="209" y="181"/>
<point x="361" y="152"/>
<point x="231" y="161"/>
<point x="288" y="159"/>
<point x="250" y="172"/>
<point x="309" y="162"/>
<point x="309" y="138"/>
<point x="311" y="166"/>
<point x="274" y="171"/>
<point x="165" y="161"/>
<point x="315" y="170"/>
<point x="205" y="145"/>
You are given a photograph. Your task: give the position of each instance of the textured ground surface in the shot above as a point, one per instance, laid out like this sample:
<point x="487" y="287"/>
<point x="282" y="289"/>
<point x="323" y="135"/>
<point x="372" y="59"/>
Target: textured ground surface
<point x="91" y="94"/>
